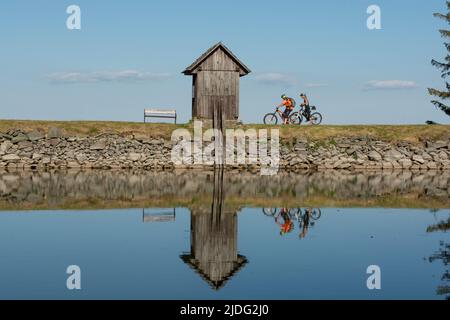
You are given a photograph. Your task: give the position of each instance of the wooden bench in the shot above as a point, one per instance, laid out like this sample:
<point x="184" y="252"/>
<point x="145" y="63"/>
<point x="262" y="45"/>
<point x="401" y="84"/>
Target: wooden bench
<point x="159" y="113"/>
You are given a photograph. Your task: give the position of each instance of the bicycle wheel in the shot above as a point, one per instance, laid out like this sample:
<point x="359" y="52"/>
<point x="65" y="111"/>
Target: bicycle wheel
<point x="271" y="119"/>
<point x="316" y="118"/>
<point x="316" y="214"/>
<point x="270" y="212"/>
<point x="296" y="118"/>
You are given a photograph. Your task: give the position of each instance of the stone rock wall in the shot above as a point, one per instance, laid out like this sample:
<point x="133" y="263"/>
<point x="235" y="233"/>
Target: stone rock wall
<point x="54" y="150"/>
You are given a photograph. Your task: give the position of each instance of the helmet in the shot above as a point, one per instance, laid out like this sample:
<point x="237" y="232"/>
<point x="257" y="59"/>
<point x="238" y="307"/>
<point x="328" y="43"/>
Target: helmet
<point x="283" y="96"/>
<point x="302" y="94"/>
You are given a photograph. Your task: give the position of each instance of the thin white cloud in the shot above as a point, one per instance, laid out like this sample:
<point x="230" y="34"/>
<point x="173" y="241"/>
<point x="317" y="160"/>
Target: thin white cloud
<point x="277" y="79"/>
<point x="316" y="85"/>
<point x="105" y="76"/>
<point x="390" y="85"/>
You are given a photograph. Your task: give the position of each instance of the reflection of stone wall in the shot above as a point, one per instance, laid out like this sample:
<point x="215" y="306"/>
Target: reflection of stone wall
<point x="53" y="188"/>
<point x="55" y="150"/>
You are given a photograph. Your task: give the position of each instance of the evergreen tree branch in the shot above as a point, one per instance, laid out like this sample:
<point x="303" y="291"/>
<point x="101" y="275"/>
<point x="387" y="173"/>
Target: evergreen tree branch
<point x="438" y="93"/>
<point x="444" y="67"/>
<point x="445" y="33"/>
<point x="442" y="16"/>
<point x="441" y="106"/>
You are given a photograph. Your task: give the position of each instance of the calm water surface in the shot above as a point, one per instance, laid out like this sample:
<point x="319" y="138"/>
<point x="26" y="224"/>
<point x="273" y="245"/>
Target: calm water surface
<point x="220" y="250"/>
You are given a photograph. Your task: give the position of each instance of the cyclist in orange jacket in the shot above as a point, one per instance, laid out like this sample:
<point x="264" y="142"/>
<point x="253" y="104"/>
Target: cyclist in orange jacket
<point x="289" y="103"/>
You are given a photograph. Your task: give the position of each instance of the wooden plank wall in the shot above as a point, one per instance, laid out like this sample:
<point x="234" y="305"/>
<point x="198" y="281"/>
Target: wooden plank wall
<point x="217" y="84"/>
<point x="220" y="61"/>
<point x="215" y="249"/>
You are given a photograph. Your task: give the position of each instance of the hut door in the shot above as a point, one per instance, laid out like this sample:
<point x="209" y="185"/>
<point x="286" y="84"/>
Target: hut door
<point x="221" y="104"/>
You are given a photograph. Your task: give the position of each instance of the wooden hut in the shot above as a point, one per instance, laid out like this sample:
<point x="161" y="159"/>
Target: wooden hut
<point x="215" y="83"/>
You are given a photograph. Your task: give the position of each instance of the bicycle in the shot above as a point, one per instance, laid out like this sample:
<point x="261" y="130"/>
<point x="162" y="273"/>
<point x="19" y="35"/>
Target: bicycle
<point x="272" y="118"/>
<point x="298" y="214"/>
<point x="270" y="212"/>
<point x="295" y="214"/>
<point x="298" y="117"/>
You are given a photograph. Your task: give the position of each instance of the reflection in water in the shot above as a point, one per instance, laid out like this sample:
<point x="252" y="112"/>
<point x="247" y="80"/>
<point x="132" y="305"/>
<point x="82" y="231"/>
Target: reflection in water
<point x="214" y="249"/>
<point x="214" y="200"/>
<point x="214" y="231"/>
<point x="285" y="218"/>
<point x="122" y="189"/>
<point x="443" y="256"/>
<point x="159" y="216"/>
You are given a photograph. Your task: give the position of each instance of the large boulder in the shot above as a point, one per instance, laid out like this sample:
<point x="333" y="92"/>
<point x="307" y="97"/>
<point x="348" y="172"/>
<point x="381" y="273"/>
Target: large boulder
<point x="80" y="157"/>
<point x="427" y="157"/>
<point x="443" y="156"/>
<point x="432" y="165"/>
<point x="134" y="157"/>
<point x="11" y="158"/>
<point x="73" y="165"/>
<point x="5" y="146"/>
<point x="19" y="138"/>
<point x="418" y="159"/>
<point x="99" y="145"/>
<point x="405" y="163"/>
<point x="393" y="155"/>
<point x="24" y="145"/>
<point x="37" y="156"/>
<point x="434" y="145"/>
<point x="55" y="133"/>
<point x="35" y="135"/>
<point x="375" y="156"/>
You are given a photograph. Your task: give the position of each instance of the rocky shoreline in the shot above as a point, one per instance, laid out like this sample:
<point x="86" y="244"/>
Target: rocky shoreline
<point x="38" y="150"/>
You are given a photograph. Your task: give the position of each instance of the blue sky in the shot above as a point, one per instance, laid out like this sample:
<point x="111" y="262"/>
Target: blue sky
<point x="130" y="54"/>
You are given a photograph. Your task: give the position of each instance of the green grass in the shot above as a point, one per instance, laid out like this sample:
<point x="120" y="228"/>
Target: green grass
<point x="203" y="202"/>
<point x="92" y="128"/>
<point x="411" y="133"/>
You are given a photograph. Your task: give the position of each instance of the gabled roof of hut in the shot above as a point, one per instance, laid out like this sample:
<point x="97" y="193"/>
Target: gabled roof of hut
<point x="216" y="284"/>
<point x="189" y="70"/>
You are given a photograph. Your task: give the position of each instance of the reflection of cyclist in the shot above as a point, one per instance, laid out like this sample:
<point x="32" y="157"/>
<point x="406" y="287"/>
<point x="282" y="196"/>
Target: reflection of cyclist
<point x="306" y="218"/>
<point x="287" y="226"/>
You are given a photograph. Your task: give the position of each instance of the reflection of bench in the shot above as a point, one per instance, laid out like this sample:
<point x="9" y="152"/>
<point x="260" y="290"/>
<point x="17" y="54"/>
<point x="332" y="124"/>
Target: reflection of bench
<point x="165" y="216"/>
<point x="158" y="113"/>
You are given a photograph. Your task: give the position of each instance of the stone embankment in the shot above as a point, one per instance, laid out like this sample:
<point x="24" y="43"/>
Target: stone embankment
<point x="55" y="150"/>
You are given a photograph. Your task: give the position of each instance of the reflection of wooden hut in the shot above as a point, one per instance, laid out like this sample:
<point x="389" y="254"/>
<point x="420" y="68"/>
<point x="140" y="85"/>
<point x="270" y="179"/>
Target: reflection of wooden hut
<point x="214" y="254"/>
